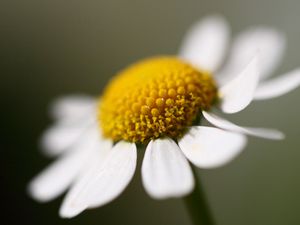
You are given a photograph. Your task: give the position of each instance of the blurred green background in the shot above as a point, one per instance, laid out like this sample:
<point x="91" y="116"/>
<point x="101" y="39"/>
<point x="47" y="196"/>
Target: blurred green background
<point x="52" y="47"/>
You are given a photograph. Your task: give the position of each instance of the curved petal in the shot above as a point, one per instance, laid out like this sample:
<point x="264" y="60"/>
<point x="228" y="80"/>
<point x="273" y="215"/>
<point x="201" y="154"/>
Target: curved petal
<point x="209" y="147"/>
<point x="105" y="180"/>
<point x="57" y="178"/>
<point x="269" y="42"/>
<point x="60" y="137"/>
<point x="72" y="107"/>
<point x="257" y="132"/>
<point x="238" y="93"/>
<point x="278" y="86"/>
<point x="205" y="43"/>
<point x="165" y="171"/>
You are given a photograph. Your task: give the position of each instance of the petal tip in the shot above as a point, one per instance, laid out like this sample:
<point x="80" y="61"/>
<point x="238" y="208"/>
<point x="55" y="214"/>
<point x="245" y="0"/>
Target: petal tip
<point x="206" y="41"/>
<point x="68" y="212"/>
<point x="37" y="193"/>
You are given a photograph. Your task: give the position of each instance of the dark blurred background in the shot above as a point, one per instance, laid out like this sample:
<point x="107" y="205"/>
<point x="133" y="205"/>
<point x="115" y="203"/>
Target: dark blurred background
<point x="53" y="47"/>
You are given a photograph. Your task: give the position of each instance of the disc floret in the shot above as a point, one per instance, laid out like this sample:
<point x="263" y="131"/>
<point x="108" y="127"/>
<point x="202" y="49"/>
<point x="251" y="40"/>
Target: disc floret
<point x="154" y="98"/>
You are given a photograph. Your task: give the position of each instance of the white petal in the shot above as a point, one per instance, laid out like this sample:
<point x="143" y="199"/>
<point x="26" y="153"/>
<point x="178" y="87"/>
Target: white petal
<point x="206" y="42"/>
<point x="278" y="86"/>
<point x="257" y="132"/>
<point x="58" y="177"/>
<point x="269" y="42"/>
<point x="104" y="181"/>
<point x="165" y="171"/>
<point x="209" y="147"/>
<point x="61" y="137"/>
<point x="73" y="107"/>
<point x="238" y="93"/>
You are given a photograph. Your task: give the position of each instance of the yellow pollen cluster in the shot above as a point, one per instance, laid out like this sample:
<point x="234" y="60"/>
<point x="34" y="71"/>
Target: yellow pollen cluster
<point x="154" y="98"/>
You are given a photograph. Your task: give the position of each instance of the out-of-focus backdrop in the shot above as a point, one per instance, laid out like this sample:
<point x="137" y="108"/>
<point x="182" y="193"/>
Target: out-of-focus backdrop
<point x="51" y="48"/>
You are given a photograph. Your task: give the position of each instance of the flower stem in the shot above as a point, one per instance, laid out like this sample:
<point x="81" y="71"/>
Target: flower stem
<point x="197" y="206"/>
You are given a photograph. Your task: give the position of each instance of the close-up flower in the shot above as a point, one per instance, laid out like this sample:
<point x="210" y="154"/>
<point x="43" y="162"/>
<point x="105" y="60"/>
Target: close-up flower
<point x="158" y="105"/>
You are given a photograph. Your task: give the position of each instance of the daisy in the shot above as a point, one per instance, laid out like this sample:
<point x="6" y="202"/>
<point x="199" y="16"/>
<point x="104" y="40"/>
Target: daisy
<point x="159" y="102"/>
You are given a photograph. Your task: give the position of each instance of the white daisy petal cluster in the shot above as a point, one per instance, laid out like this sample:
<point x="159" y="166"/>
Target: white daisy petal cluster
<point x="96" y="170"/>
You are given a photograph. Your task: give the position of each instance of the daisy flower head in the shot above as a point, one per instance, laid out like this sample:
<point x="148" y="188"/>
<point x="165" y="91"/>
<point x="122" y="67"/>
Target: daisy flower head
<point x="160" y="102"/>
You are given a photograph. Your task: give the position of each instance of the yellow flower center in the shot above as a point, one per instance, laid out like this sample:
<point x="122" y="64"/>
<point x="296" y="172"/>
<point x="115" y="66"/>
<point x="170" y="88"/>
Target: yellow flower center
<point x="154" y="98"/>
